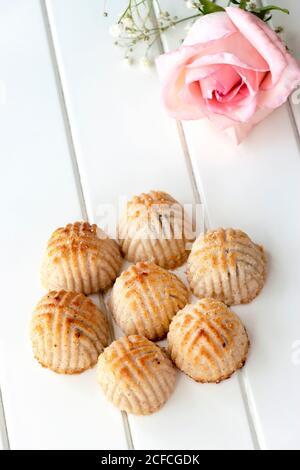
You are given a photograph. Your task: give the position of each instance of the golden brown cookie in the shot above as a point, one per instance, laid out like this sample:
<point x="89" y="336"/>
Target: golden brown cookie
<point x="145" y="298"/>
<point x="227" y="265"/>
<point x="82" y="258"/>
<point x="155" y="228"/>
<point x="68" y="332"/>
<point x="208" y="341"/>
<point x="136" y="375"/>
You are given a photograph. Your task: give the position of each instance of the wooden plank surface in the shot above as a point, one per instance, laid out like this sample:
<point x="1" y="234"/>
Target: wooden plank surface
<point x="38" y="193"/>
<point x="125" y="145"/>
<point x="256" y="187"/>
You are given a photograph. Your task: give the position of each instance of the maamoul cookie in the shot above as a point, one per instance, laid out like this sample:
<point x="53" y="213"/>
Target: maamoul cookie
<point x="145" y="298"/>
<point x="136" y="375"/>
<point x="155" y="228"/>
<point x="227" y="265"/>
<point x="81" y="258"/>
<point x="68" y="332"/>
<point x="208" y="341"/>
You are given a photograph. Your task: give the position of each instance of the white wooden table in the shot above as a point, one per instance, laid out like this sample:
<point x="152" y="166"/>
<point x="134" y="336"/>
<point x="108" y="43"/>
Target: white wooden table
<point x="77" y="130"/>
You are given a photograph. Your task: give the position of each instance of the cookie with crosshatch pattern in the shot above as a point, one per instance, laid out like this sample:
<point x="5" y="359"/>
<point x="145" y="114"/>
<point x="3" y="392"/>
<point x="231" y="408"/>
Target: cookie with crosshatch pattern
<point x="82" y="258"/>
<point x="154" y="227"/>
<point x="227" y="265"/>
<point x="68" y="332"/>
<point x="136" y="375"/>
<point x="208" y="341"/>
<point x="145" y="298"/>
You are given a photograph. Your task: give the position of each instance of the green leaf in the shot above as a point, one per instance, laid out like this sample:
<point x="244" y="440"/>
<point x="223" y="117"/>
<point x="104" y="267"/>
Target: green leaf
<point x="268" y="18"/>
<point x="273" y="7"/>
<point x="243" y="4"/>
<point x="264" y="11"/>
<point x="210" y="7"/>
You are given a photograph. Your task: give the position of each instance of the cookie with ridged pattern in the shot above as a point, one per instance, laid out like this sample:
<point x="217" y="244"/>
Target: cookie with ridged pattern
<point x="208" y="341"/>
<point x="227" y="265"/>
<point x="82" y="258"/>
<point x="68" y="332"/>
<point x="145" y="298"/>
<point x="136" y="375"/>
<point x="154" y="227"/>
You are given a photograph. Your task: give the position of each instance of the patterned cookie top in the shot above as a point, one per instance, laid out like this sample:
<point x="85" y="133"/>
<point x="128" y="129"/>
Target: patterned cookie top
<point x="68" y="332"/>
<point x="154" y="227"/>
<point x="136" y="375"/>
<point x="227" y="265"/>
<point x="208" y="341"/>
<point x="151" y="199"/>
<point x="82" y="258"/>
<point x="145" y="298"/>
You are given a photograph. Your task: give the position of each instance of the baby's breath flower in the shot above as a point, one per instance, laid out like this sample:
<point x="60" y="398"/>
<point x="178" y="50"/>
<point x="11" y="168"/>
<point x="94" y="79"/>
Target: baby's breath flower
<point x="136" y="23"/>
<point x="116" y="30"/>
<point x="145" y="62"/>
<point x="164" y="15"/>
<point x="190" y="4"/>
<point x="127" y="22"/>
<point x="127" y="60"/>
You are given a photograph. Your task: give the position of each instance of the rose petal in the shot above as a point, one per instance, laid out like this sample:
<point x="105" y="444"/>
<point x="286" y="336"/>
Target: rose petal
<point x="233" y="95"/>
<point x="198" y="73"/>
<point x="209" y="28"/>
<point x="222" y="81"/>
<point x="170" y="63"/>
<point x="289" y="81"/>
<point x="241" y="112"/>
<point x="252" y="78"/>
<point x="235" y="48"/>
<point x="239" y="131"/>
<point x="183" y="101"/>
<point x="263" y="39"/>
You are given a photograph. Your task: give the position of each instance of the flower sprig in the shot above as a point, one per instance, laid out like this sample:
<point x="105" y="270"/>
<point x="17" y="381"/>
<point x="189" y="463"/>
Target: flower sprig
<point x="143" y="21"/>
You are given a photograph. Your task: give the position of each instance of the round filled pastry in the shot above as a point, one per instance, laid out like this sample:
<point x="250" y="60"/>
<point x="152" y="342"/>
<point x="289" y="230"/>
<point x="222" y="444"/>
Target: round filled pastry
<point x="145" y="298"/>
<point x="208" y="341"/>
<point x="136" y="375"/>
<point x="68" y="332"/>
<point x="155" y="228"/>
<point x="82" y="258"/>
<point x="227" y="265"/>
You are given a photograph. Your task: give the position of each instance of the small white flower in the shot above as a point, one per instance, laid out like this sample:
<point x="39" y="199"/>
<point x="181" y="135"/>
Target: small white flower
<point x="127" y="22"/>
<point x="127" y="60"/>
<point x="145" y="62"/>
<point x="116" y="30"/>
<point x="190" y="4"/>
<point x="164" y="15"/>
<point x="131" y="34"/>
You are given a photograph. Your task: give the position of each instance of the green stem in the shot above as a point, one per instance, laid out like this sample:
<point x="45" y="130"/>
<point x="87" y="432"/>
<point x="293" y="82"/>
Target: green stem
<point x="175" y="23"/>
<point x="188" y="18"/>
<point x="151" y="44"/>
<point x="243" y="4"/>
<point x="125" y="12"/>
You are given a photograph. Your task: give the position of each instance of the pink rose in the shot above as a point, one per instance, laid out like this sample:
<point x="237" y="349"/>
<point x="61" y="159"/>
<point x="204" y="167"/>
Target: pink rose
<point x="231" y="68"/>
